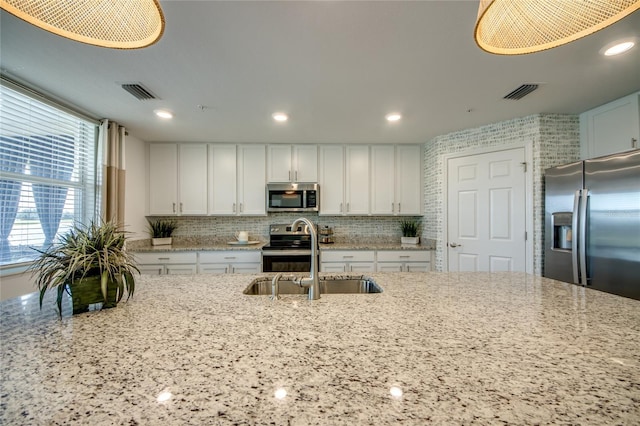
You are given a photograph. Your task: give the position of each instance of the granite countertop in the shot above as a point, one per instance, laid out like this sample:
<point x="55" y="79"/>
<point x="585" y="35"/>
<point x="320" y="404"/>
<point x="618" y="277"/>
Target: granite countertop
<point x="193" y="245"/>
<point x="217" y="244"/>
<point x="433" y="348"/>
<point x="374" y="245"/>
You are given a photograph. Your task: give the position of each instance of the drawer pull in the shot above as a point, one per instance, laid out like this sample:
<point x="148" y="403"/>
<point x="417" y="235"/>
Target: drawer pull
<point x="347" y="257"/>
<point x="164" y="258"/>
<point x="405" y="257"/>
<point x="229" y="257"/>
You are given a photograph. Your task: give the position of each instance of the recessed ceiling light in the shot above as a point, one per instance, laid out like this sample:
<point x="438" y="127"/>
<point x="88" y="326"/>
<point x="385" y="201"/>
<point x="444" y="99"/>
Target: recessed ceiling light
<point x="163" y="113"/>
<point x="394" y="116"/>
<point x="619" y="48"/>
<point x="280" y="116"/>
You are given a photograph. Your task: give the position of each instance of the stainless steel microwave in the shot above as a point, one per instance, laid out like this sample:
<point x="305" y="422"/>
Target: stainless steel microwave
<point x="293" y="197"/>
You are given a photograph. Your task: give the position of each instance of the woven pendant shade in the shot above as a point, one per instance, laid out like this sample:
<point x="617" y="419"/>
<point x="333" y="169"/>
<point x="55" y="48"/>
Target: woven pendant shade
<point x="118" y="24"/>
<point x="515" y="27"/>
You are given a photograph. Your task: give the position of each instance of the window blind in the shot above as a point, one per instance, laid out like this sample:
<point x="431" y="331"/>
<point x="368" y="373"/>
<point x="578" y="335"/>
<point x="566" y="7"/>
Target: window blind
<point x="47" y="173"/>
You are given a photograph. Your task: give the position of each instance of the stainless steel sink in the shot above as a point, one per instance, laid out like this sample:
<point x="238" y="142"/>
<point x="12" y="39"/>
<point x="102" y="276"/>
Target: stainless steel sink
<point x="357" y="285"/>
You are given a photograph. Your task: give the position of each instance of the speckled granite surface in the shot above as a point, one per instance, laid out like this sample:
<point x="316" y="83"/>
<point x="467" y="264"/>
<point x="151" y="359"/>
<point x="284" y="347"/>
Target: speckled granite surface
<point x="374" y="245"/>
<point x="433" y="348"/>
<point x="193" y="244"/>
<point x="196" y="244"/>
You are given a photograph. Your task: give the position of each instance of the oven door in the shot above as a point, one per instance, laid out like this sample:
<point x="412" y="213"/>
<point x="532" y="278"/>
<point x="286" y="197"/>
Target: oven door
<point x="286" y="261"/>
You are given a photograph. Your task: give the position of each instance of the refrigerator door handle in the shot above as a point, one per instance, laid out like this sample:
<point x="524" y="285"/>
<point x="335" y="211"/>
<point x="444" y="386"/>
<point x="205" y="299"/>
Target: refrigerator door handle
<point x="574" y="237"/>
<point x="582" y="240"/>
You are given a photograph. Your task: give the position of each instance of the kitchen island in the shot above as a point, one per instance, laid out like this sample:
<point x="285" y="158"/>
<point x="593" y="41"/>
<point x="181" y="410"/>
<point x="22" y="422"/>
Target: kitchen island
<point x="433" y="348"/>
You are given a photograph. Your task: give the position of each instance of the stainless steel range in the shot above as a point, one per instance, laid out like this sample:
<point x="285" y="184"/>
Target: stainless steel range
<point x="289" y="250"/>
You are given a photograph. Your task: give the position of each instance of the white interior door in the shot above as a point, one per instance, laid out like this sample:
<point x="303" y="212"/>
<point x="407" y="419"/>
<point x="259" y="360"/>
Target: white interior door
<point x="486" y="212"/>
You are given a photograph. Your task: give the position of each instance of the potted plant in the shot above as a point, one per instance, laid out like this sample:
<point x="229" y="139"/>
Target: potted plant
<point x="90" y="263"/>
<point x="161" y="231"/>
<point x="410" y="229"/>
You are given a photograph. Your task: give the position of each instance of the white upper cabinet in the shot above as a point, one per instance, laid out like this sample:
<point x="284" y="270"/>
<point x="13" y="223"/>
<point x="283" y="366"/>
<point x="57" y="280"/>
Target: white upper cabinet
<point x="177" y="179"/>
<point x="229" y="179"/>
<point x="251" y="180"/>
<point x="331" y="179"/>
<point x="223" y="180"/>
<point x="395" y="180"/>
<point x="357" y="180"/>
<point x="611" y="128"/>
<point x="408" y="193"/>
<point x="237" y="185"/>
<point x="344" y="180"/>
<point x="163" y="179"/>
<point x="292" y="163"/>
<point x="192" y="179"/>
<point x="383" y="180"/>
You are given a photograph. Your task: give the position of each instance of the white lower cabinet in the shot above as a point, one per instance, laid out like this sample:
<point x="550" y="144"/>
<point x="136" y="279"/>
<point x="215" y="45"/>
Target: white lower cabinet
<point x="167" y="263"/>
<point x="230" y="262"/>
<point x="347" y="261"/>
<point x="404" y="261"/>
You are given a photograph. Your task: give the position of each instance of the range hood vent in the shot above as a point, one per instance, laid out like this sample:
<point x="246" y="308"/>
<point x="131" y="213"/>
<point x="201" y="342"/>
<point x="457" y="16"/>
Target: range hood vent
<point x="139" y="91"/>
<point x="522" y="91"/>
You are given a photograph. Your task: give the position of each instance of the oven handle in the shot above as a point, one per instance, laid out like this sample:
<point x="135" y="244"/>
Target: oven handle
<point x="286" y="252"/>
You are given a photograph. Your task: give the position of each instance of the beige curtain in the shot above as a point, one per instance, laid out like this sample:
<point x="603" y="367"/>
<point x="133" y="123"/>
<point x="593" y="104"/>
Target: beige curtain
<point x="113" y="172"/>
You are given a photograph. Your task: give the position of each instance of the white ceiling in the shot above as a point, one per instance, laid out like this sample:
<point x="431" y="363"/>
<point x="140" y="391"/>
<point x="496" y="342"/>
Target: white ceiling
<point x="335" y="67"/>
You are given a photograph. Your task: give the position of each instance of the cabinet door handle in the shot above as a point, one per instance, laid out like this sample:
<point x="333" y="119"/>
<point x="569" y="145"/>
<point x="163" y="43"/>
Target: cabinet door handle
<point x="634" y="143"/>
<point x="241" y="207"/>
<point x="393" y="207"/>
<point x="340" y="207"/>
<point x="289" y="174"/>
<point x="296" y="175"/>
<point x="348" y="207"/>
<point x="180" y="207"/>
<point x="174" y="207"/>
<point x="234" y="207"/>
<point x="399" y="207"/>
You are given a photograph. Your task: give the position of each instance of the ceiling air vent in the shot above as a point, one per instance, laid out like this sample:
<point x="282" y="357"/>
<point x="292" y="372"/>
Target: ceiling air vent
<point x="139" y="91"/>
<point x="521" y="91"/>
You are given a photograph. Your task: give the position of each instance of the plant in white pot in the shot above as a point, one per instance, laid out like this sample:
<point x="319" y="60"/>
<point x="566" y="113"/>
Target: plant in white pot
<point x="410" y="229"/>
<point x="161" y="231"/>
<point x="90" y="263"/>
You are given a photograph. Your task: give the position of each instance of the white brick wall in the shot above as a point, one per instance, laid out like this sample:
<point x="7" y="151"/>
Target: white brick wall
<point x="555" y="140"/>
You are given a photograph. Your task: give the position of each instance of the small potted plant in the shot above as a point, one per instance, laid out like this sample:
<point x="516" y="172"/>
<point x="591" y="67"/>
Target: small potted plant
<point x="161" y="231"/>
<point x="410" y="229"/>
<point x="90" y="263"/>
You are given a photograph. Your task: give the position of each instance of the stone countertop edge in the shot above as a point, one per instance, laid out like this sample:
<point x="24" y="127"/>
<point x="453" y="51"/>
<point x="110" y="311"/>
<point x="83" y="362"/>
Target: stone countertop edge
<point x="221" y="246"/>
<point x="375" y="245"/>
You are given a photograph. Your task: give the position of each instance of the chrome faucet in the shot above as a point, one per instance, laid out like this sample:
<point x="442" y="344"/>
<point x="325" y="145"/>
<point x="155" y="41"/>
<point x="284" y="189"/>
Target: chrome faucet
<point x="310" y="282"/>
<point x="275" y="288"/>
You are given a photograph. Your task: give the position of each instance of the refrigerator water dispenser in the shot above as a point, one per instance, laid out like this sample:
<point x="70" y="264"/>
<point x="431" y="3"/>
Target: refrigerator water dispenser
<point x="562" y="233"/>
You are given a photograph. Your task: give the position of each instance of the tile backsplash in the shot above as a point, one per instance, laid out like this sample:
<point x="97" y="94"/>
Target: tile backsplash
<point x="345" y="228"/>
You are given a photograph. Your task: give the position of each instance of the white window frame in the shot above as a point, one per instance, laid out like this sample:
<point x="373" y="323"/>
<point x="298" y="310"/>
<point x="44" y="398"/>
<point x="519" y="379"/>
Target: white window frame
<point x="21" y="103"/>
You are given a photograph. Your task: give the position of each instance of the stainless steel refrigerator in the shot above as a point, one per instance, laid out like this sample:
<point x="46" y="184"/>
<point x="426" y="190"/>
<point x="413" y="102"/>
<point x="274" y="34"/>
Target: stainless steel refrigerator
<point x="592" y="223"/>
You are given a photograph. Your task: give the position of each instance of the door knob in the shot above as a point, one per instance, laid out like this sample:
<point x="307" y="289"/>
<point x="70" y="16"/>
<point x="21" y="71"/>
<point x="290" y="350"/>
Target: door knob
<point x="454" y="245"/>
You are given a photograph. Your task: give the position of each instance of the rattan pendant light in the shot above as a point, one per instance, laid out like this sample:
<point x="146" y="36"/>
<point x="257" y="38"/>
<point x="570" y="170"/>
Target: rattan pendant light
<point x="117" y="24"/>
<point x="515" y="27"/>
